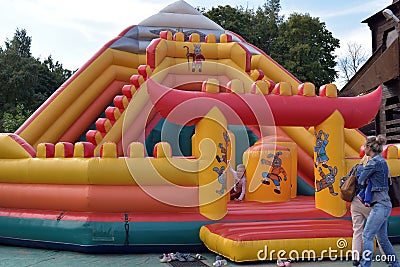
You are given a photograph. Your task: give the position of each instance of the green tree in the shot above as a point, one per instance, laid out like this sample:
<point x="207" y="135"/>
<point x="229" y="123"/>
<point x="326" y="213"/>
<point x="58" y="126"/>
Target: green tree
<point x="305" y="48"/>
<point x="238" y="20"/>
<point x="267" y="21"/>
<point x="24" y="79"/>
<point x="20" y="44"/>
<point x="258" y="27"/>
<point x="301" y="44"/>
<point x="17" y="74"/>
<point x="11" y="122"/>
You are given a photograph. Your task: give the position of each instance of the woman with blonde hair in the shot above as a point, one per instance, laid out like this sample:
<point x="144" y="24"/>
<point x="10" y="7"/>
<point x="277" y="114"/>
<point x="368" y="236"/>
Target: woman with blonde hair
<point x="376" y="171"/>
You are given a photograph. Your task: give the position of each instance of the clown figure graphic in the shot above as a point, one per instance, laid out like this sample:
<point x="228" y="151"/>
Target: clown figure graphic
<point x="274" y="173"/>
<point x="327" y="180"/>
<point x="320" y="148"/>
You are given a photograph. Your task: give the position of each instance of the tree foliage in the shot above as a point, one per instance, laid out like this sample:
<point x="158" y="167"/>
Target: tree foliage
<point x="300" y="43"/>
<point x="25" y="80"/>
<point x="20" y="44"/>
<point x="305" y="48"/>
<point x="11" y="122"/>
<point x="258" y="27"/>
<point x="267" y="19"/>
<point x="223" y="15"/>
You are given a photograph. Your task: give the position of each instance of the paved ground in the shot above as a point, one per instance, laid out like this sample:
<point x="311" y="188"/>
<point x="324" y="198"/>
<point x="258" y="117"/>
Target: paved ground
<point x="23" y="257"/>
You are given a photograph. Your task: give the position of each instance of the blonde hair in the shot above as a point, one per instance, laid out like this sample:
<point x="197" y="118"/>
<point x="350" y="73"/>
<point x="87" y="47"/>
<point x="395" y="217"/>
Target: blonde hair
<point x="242" y="166"/>
<point x="364" y="160"/>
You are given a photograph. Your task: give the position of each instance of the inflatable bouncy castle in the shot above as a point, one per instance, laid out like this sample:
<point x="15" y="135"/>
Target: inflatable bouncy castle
<point x="130" y="154"/>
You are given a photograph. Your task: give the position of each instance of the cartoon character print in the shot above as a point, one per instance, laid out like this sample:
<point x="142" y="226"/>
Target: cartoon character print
<point x="327" y="180"/>
<point x="320" y="148"/>
<point x="221" y="179"/>
<point x="224" y="152"/>
<point x="275" y="172"/>
<point x="223" y="158"/>
<point x="197" y="57"/>
<point x="223" y="149"/>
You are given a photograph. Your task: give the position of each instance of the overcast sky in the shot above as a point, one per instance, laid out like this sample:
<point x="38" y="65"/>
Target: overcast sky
<point x="73" y="31"/>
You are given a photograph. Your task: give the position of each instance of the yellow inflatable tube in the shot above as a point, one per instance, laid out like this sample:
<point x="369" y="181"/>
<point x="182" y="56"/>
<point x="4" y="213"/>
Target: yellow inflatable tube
<point x="233" y="51"/>
<point x="97" y="171"/>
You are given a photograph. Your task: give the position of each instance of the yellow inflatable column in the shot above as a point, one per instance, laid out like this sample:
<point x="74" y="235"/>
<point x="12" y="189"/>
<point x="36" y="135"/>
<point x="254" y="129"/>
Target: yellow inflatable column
<point x="212" y="146"/>
<point x="329" y="164"/>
